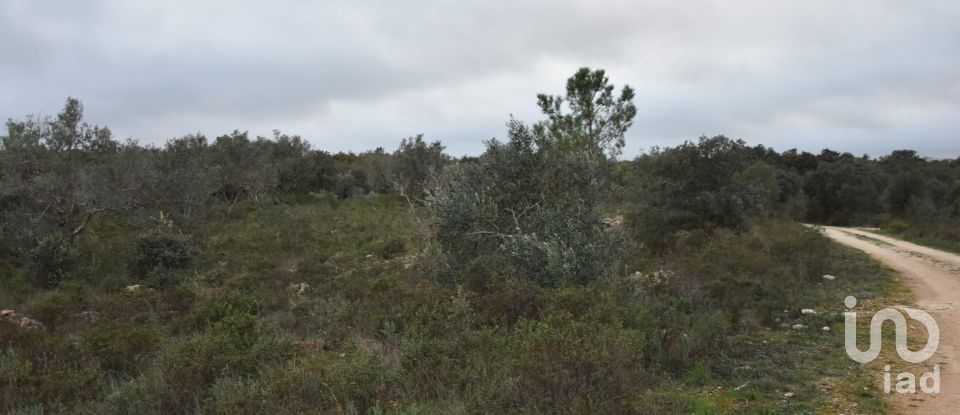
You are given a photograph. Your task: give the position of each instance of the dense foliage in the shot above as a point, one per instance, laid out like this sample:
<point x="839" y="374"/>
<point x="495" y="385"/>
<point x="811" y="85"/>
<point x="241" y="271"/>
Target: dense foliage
<point x="57" y="174"/>
<point x="718" y="182"/>
<point x="596" y="121"/>
<point x="529" y="204"/>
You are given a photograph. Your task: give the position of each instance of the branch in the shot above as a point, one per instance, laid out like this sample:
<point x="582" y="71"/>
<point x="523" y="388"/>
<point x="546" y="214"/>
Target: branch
<point x="83" y="225"/>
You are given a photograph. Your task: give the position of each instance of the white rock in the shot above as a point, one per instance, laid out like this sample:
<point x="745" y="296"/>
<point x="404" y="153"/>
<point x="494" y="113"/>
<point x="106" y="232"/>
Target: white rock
<point x="89" y="316"/>
<point x="29" y="323"/>
<point x="825" y="328"/>
<point x="829" y="277"/>
<point x="300" y="287"/>
<point x="807" y="311"/>
<point x="799" y="327"/>
<point x="615" y="222"/>
<point x="788" y="395"/>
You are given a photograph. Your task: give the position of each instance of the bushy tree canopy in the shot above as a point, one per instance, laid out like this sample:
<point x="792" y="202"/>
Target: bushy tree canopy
<point x="843" y="192"/>
<point x="57" y="173"/>
<point x="415" y="162"/>
<point x="528" y="204"/>
<point x="715" y="182"/>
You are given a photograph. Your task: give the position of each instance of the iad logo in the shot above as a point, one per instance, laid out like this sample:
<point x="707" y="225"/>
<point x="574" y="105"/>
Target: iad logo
<point x="906" y="381"/>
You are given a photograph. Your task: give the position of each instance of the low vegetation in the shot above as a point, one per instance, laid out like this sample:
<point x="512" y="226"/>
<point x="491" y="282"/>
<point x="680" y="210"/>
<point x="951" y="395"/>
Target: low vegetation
<point x="236" y="333"/>
<point x="262" y="276"/>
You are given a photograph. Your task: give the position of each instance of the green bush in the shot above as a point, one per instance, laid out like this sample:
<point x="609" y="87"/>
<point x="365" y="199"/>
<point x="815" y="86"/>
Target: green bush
<point x="711" y="184"/>
<point x="160" y="254"/>
<point x="48" y="263"/>
<point x="526" y="204"/>
<point x="53" y="308"/>
<point x="699" y="375"/>
<point x="361" y="379"/>
<point x="898" y="226"/>
<point x="560" y="364"/>
<point x="390" y="248"/>
<point x="185" y="369"/>
<point x="121" y="347"/>
<point x="39" y="368"/>
<point x="213" y="310"/>
<point x="416" y="162"/>
<point x="752" y="277"/>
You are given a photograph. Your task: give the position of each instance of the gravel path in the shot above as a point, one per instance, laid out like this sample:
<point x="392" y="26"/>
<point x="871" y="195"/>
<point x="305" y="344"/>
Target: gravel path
<point x="934" y="278"/>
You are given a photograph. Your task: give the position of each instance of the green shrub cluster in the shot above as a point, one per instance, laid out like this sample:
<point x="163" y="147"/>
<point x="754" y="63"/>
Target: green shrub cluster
<point x="49" y="262"/>
<point x="375" y="335"/>
<point x="159" y="255"/>
<point x="528" y="205"/>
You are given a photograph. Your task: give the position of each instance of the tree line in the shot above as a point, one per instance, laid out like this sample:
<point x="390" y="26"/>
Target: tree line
<point x="720" y="182"/>
<point x="56" y="174"/>
<point x="531" y="200"/>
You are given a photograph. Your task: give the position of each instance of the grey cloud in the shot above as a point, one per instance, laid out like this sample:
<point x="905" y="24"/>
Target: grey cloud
<point x="859" y="76"/>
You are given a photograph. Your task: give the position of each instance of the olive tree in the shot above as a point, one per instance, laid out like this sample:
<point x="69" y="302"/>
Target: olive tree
<point x="55" y="175"/>
<point x="528" y="205"/>
<point x="289" y="159"/>
<point x="243" y="168"/>
<point x="415" y="162"/>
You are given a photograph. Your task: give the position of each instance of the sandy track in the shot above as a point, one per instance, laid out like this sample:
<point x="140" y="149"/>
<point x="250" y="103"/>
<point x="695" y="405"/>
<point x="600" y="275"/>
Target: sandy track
<point x="934" y="278"/>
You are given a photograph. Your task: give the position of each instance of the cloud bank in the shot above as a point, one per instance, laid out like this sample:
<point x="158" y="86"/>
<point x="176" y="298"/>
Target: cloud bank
<point x="858" y="76"/>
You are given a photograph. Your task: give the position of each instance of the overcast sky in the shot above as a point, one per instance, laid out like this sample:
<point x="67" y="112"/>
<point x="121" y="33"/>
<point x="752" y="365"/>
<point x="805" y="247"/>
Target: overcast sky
<point x="860" y="76"/>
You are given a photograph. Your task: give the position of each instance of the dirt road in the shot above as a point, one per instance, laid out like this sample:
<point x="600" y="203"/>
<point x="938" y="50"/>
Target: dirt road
<point x="934" y="278"/>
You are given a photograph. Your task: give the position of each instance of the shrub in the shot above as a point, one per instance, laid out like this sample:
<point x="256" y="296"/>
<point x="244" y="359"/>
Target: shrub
<point x="210" y="311"/>
<point x="698" y="375"/>
<point x="390" y="248"/>
<point x="121" y="347"/>
<point x="53" y="307"/>
<point x="415" y="162"/>
<point x="360" y="380"/>
<point x="49" y="261"/>
<point x="159" y="254"/>
<point x="898" y="226"/>
<point x="843" y="192"/>
<point x="560" y="364"/>
<point x="345" y="186"/>
<point x="186" y="368"/>
<point x="43" y="369"/>
<point x="700" y="186"/>
<point x="526" y="204"/>
<point x="752" y="277"/>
